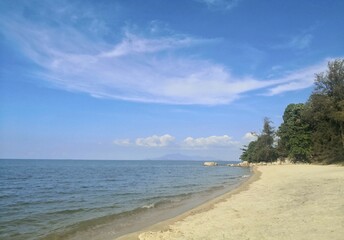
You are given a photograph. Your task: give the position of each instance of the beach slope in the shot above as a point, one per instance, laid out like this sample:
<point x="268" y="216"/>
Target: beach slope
<point x="280" y="202"/>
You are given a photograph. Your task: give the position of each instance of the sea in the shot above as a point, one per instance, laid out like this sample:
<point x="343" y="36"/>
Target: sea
<point x="97" y="199"/>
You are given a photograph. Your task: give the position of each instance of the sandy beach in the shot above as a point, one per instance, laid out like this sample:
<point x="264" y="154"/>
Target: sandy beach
<point x="277" y="202"/>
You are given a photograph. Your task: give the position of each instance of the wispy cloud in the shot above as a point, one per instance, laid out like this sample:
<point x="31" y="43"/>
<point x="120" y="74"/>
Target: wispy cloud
<point x="298" y="79"/>
<point x="220" y="4"/>
<point x="122" y="142"/>
<point x="301" y="42"/>
<point x="139" y="68"/>
<point x="297" y="42"/>
<point x="208" y="142"/>
<point x="133" y="44"/>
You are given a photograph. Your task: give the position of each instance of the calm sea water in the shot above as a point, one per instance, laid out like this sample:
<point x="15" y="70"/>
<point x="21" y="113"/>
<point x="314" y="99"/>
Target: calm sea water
<point x="64" y="199"/>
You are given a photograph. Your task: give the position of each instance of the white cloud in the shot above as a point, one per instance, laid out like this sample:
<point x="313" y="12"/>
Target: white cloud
<point x="250" y="136"/>
<point x="207" y="142"/>
<point x="189" y="142"/>
<point x="128" y="70"/>
<point x="155" y="141"/>
<point x="122" y="142"/>
<point x="220" y="4"/>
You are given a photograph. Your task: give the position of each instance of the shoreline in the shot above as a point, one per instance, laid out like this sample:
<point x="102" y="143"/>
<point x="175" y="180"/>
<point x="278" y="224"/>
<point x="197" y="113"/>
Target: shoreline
<point x="206" y="206"/>
<point x="152" y="212"/>
<point x="276" y="202"/>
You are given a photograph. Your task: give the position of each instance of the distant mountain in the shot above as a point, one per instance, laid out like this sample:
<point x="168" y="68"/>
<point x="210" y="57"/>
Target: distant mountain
<point x="178" y="156"/>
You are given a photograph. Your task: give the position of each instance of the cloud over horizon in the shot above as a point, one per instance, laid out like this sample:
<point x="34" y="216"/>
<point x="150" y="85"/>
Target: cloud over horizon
<point x="155" y="141"/>
<point x="188" y="143"/>
<point x="207" y="142"/>
<point x="122" y="142"/>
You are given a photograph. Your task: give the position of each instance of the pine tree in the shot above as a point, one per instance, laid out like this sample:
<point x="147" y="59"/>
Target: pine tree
<point x="261" y="150"/>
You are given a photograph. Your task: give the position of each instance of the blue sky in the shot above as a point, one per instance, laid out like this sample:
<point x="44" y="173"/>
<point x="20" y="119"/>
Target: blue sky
<point x="140" y="79"/>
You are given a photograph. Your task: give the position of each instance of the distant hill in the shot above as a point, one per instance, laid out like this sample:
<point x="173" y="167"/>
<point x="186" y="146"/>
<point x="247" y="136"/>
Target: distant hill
<point x="179" y="157"/>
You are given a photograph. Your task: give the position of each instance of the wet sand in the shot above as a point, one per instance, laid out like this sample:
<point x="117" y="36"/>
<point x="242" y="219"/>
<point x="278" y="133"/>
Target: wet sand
<point x="277" y="202"/>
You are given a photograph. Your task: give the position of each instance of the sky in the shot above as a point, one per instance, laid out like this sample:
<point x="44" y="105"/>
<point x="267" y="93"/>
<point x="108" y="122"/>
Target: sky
<point x="137" y="79"/>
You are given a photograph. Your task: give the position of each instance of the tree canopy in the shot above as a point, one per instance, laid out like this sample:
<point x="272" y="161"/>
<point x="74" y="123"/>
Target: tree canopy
<point x="262" y="149"/>
<point x="310" y="132"/>
<point x="325" y="114"/>
<point x="294" y="134"/>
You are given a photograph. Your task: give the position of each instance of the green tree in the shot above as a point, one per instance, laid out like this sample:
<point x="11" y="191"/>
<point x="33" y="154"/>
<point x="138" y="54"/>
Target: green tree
<point x="262" y="149"/>
<point x="325" y="114"/>
<point x="294" y="134"/>
<point x="249" y="152"/>
<point x="310" y="132"/>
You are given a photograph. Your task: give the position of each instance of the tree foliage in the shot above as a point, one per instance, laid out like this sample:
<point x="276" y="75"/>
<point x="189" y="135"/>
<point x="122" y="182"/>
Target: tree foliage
<point x="325" y="114"/>
<point x="262" y="149"/>
<point x="294" y="134"/>
<point x="311" y="132"/>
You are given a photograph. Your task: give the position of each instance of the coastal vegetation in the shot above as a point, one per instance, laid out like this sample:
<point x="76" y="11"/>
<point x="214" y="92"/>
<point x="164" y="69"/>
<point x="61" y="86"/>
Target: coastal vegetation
<point x="262" y="149"/>
<point x="311" y="132"/>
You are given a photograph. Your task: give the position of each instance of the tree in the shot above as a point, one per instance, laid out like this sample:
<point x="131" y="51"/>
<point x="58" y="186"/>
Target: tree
<point x="331" y="85"/>
<point x="324" y="113"/>
<point x="249" y="152"/>
<point x="262" y="149"/>
<point x="294" y="134"/>
<point x="310" y="132"/>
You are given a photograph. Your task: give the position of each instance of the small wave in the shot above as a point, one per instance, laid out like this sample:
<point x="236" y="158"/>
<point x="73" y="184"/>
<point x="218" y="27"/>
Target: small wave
<point x="68" y="211"/>
<point x="32" y="203"/>
<point x="185" y="186"/>
<point x="62" y="233"/>
<point x="169" y="198"/>
<point x="245" y="176"/>
<point x="152" y="205"/>
<point x="234" y="177"/>
<point x="68" y="231"/>
<point x="118" y="219"/>
<point x="4" y="196"/>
